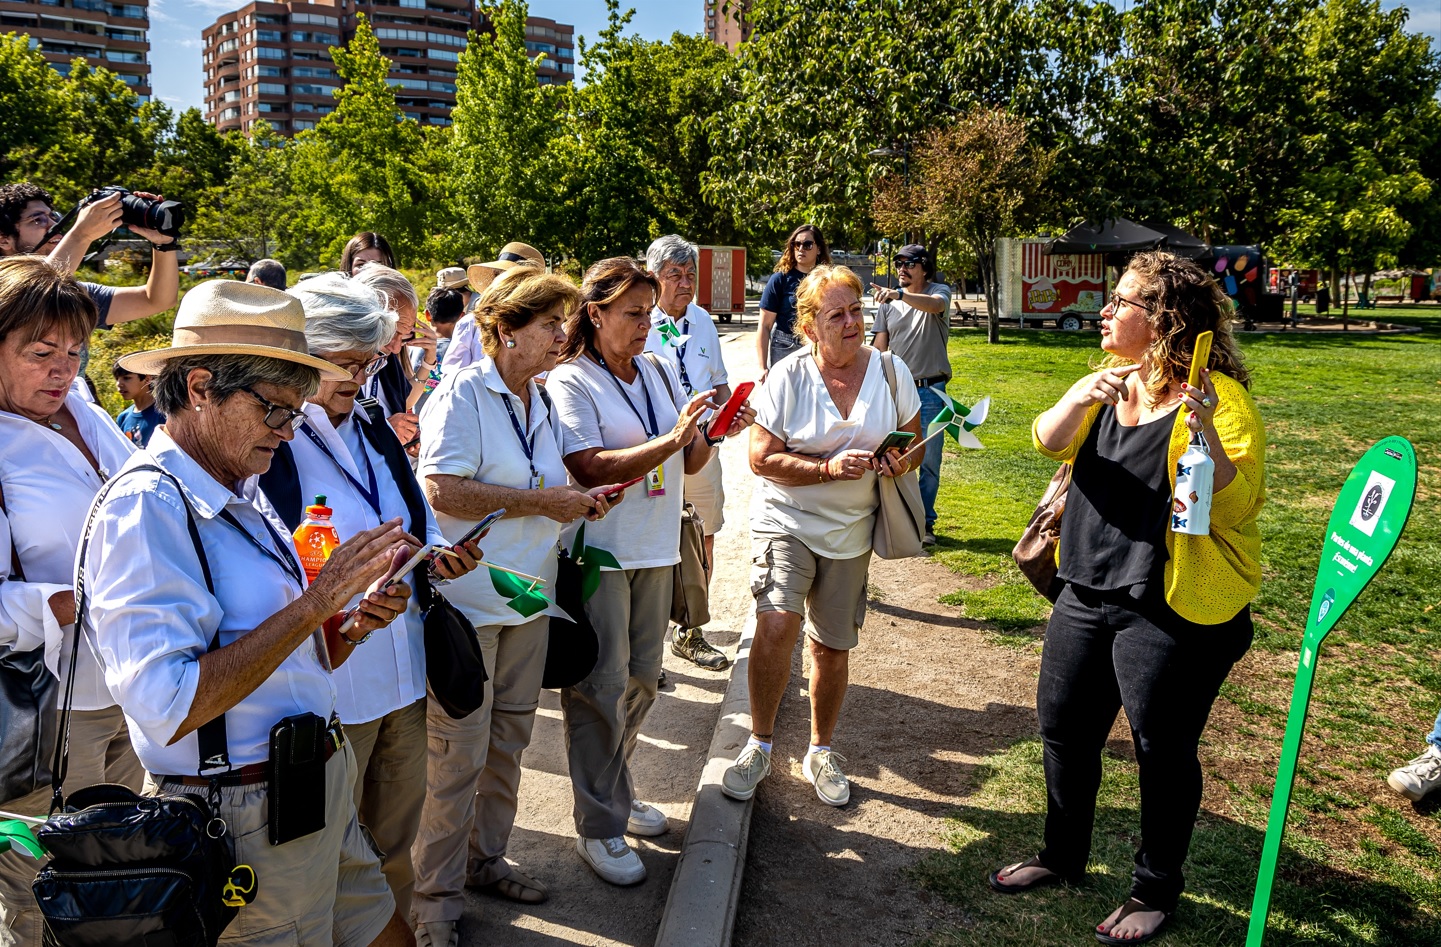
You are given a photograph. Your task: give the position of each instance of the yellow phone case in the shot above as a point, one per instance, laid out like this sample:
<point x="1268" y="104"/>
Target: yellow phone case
<point x="1200" y="357"/>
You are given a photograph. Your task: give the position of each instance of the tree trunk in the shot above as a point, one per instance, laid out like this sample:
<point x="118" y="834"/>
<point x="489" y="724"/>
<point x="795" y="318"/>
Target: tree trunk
<point x="986" y="266"/>
<point x="1346" y="300"/>
<point x="1335" y="280"/>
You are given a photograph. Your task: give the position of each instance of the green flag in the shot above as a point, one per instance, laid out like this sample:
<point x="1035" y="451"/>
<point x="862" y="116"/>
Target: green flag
<point x="959" y="421"/>
<point x="590" y="560"/>
<point x="519" y="595"/>
<point x="1365" y="524"/>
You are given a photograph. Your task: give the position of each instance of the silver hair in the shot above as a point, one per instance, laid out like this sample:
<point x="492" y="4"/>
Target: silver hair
<point x="267" y="272"/>
<point x="228" y="375"/>
<point x="342" y="314"/>
<point x="671" y="248"/>
<point x="388" y="282"/>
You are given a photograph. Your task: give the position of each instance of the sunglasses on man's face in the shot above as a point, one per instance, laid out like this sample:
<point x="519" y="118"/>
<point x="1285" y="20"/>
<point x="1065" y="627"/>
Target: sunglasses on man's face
<point x="804" y="244"/>
<point x="903" y="262"/>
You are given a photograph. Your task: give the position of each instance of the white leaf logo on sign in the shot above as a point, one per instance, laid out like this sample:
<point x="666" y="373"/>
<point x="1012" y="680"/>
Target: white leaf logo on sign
<point x="1372" y="502"/>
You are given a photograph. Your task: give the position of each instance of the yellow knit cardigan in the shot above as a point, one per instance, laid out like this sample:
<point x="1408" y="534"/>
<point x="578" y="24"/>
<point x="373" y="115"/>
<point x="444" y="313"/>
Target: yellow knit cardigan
<point x="1210" y="578"/>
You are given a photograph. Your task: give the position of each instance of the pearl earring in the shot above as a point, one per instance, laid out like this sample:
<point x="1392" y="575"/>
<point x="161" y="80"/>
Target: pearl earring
<point x="510" y="343"/>
<point x="197" y="408"/>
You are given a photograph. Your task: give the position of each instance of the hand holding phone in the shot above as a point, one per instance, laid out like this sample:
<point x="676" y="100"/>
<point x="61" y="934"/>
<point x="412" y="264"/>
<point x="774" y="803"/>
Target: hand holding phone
<point x="722" y="422"/>
<point x="620" y="489"/>
<point x="897" y="440"/>
<point x="396" y="578"/>
<point x="1200" y="357"/>
<point x="478" y="530"/>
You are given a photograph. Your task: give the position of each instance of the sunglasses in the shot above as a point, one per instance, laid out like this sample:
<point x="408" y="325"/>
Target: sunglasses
<point x="43" y="218"/>
<point x="804" y="244"/>
<point x="904" y="262"/>
<point x="277" y="416"/>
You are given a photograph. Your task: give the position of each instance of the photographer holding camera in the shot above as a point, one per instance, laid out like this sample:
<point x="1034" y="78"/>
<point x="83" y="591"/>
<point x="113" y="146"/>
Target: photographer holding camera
<point x="27" y="222"/>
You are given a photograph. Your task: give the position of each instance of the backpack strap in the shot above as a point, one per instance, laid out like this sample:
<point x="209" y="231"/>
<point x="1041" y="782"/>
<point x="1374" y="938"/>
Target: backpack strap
<point x="211" y="736"/>
<point x="665" y="379"/>
<point x="16" y="570"/>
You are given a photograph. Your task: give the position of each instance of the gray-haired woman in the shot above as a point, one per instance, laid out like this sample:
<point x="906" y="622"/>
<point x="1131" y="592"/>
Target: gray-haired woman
<point x="199" y="610"/>
<point x="399" y="385"/>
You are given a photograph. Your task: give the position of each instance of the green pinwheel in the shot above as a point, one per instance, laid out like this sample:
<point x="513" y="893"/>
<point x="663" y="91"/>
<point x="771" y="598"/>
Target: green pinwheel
<point x="959" y="421"/>
<point x="590" y="560"/>
<point x="519" y="594"/>
<point x="670" y="334"/>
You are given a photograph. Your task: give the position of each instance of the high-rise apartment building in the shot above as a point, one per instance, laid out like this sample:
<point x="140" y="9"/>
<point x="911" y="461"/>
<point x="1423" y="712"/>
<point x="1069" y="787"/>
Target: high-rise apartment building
<point x="271" y="60"/>
<point x="109" y="34"/>
<point x="726" y="22"/>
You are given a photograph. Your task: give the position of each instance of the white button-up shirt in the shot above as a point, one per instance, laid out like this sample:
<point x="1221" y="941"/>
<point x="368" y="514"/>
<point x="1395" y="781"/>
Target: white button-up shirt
<point x="468" y="433"/>
<point x="701" y="353"/>
<point x="150" y="616"/>
<point x="388" y="671"/>
<point x="49" y="486"/>
<point x="465" y="348"/>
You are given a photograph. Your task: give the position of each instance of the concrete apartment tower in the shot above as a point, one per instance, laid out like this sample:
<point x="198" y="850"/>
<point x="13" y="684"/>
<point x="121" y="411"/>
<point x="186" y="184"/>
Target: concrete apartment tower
<point x="271" y="60"/>
<point x="109" y="34"/>
<point x="725" y="22"/>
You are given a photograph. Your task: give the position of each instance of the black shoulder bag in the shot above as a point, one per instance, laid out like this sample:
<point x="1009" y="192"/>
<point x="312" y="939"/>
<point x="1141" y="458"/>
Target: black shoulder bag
<point x="131" y="870"/>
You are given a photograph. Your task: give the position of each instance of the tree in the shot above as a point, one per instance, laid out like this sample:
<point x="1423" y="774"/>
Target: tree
<point x="977" y="181"/>
<point x="29" y="105"/>
<point x="253" y="214"/>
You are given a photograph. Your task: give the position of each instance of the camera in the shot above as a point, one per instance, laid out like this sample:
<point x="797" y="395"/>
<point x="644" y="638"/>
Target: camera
<point x="136" y="211"/>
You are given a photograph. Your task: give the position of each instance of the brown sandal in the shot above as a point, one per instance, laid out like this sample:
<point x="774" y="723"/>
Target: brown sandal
<point x="1033" y="862"/>
<point x="518" y="887"/>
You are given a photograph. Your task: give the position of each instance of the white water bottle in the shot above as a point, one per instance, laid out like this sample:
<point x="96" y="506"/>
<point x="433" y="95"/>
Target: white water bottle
<point x="1195" y="476"/>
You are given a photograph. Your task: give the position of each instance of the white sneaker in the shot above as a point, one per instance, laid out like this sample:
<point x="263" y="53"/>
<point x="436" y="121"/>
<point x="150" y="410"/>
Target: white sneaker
<point x="645" y="820"/>
<point x="743" y="776"/>
<point x="612" y="859"/>
<point x="1418" y="777"/>
<point x="823" y="770"/>
<point x="437" y="934"/>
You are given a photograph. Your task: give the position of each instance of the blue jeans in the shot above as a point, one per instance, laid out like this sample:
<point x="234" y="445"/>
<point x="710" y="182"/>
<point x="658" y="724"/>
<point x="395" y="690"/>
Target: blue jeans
<point x="1434" y="737"/>
<point x="931" y="405"/>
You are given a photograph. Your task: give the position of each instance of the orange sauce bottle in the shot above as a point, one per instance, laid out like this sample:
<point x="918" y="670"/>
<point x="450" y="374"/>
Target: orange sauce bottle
<point x="315" y="538"/>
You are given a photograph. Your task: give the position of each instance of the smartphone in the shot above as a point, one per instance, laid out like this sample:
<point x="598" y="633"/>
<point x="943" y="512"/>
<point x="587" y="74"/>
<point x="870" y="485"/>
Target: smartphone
<point x="423" y="554"/>
<point x="896" y="439"/>
<point x="722" y="422"/>
<point x="474" y="532"/>
<point x="1200" y="357"/>
<point x="622" y="488"/>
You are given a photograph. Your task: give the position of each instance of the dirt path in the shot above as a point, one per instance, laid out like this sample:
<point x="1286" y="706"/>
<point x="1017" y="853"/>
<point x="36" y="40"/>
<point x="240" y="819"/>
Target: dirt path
<point x="667" y="763"/>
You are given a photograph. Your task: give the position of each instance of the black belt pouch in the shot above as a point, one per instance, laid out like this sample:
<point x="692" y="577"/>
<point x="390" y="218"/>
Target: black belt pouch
<point x="297" y="777"/>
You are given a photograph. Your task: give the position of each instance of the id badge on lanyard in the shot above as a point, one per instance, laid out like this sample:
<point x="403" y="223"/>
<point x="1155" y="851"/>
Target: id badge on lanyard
<point x="655" y="482"/>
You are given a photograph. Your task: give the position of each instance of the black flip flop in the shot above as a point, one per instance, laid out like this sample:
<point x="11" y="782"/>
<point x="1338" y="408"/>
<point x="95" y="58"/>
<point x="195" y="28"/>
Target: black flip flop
<point x="1035" y="862"/>
<point x="1132" y="906"/>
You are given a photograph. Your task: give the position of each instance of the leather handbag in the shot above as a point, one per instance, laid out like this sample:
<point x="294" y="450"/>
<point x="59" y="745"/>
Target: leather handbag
<point x="900" y="516"/>
<point x="574" y="647"/>
<point x="454" y="665"/>
<point x="130" y="870"/>
<point x="28" y="711"/>
<point x="690" y="596"/>
<point x="1035" y="554"/>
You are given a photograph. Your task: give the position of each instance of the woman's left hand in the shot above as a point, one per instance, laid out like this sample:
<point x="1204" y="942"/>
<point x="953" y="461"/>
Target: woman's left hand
<point x="744" y="418"/>
<point x="1201" y="404"/>
<point x="892" y="464"/>
<point x="464" y="561"/>
<point x="424" y="338"/>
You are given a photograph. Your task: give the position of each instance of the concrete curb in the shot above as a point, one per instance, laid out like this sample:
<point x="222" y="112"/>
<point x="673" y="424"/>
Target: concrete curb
<point x="700" y="910"/>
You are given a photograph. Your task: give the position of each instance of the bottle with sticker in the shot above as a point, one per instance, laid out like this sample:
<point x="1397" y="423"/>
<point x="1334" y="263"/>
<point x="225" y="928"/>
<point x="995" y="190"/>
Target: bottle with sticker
<point x="1195" y="477"/>
<point x="315" y="538"/>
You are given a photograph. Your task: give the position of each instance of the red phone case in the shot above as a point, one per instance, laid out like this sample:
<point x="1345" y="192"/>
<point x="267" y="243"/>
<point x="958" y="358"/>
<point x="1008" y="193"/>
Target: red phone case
<point x="722" y="421"/>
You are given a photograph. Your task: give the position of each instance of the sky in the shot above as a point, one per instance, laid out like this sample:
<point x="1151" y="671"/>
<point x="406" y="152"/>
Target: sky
<point x="175" y="27"/>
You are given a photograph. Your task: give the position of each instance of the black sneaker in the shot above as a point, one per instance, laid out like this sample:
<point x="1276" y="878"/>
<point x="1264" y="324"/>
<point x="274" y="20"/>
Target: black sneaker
<point x="690" y="644"/>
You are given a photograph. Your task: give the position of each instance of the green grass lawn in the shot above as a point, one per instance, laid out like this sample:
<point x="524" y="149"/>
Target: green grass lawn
<point x="1370" y="857"/>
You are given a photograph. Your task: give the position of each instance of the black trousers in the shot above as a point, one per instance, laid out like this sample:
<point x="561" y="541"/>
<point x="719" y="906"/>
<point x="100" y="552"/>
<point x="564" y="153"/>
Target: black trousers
<point x="1106" y="650"/>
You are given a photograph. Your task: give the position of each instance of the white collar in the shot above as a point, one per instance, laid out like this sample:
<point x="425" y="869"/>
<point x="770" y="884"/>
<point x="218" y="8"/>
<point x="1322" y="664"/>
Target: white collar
<point x="206" y="494"/>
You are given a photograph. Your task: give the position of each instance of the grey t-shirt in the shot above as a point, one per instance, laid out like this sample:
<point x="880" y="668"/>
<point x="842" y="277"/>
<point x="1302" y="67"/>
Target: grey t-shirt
<point x="919" y="338"/>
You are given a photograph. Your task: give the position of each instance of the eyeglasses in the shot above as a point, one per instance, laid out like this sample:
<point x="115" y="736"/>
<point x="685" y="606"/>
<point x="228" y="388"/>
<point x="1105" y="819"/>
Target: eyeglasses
<point x="365" y="369"/>
<point x="905" y="262"/>
<point x="804" y="244"/>
<point x="1117" y="299"/>
<point x="278" y="416"/>
<point x="43" y="218"/>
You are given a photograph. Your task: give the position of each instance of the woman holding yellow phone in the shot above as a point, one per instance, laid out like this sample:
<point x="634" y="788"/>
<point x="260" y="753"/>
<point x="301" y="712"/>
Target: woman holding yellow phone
<point x="1148" y="619"/>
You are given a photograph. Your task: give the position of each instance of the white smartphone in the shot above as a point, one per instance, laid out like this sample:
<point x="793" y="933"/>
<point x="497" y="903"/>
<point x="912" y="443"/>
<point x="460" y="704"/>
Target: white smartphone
<point x="423" y="554"/>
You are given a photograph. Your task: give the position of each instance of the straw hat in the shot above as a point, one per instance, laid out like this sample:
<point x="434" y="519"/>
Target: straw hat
<point x="226" y="317"/>
<point x="452" y="277"/>
<point x="511" y="255"/>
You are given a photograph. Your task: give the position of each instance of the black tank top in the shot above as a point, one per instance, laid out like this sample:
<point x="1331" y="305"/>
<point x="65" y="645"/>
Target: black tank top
<point x="1113" y="533"/>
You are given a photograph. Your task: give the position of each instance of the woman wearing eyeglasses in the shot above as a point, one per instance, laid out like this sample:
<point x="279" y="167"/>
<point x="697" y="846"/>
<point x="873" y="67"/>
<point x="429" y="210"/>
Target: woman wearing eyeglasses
<point x="1148" y="619"/>
<point x="805" y="250"/>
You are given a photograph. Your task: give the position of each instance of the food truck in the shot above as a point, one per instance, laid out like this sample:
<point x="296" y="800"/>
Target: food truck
<point x="1067" y="289"/>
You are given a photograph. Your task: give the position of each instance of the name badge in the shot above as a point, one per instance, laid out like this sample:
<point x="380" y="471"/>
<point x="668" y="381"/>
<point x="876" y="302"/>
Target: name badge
<point x="537" y="481"/>
<point x="655" y="483"/>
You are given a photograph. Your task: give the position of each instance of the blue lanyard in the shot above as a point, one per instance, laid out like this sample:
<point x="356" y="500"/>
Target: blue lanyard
<point x="680" y="360"/>
<point x="281" y="558"/>
<point x="528" y="447"/>
<point x="654" y="429"/>
<point x="371" y="494"/>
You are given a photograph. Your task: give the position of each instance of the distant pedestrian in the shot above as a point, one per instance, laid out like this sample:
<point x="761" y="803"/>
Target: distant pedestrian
<point x="365" y="248"/>
<point x="805" y="250"/>
<point x="267" y="272"/>
<point x="141" y="419"/>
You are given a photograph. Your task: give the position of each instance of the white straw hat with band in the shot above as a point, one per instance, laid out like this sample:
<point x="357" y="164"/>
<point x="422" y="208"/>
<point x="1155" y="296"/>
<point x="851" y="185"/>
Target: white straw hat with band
<point x="452" y="277"/>
<point x="511" y="255"/>
<point x="226" y="317"/>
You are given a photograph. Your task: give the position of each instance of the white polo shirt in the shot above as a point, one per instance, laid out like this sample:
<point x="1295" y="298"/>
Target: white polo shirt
<point x="464" y="349"/>
<point x="643" y="532"/>
<point x="49" y="487"/>
<point x="151" y="617"/>
<point x="833" y="519"/>
<point x="468" y="433"/>
<point x="700" y="354"/>
<point x="388" y="671"/>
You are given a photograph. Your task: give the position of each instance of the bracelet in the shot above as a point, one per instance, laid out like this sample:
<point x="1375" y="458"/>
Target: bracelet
<point x="711" y="441"/>
<point x="823" y="473"/>
<point x="170" y="247"/>
<point x="356" y="641"/>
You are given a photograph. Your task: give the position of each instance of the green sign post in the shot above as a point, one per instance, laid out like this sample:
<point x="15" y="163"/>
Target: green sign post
<point x="1365" y="524"/>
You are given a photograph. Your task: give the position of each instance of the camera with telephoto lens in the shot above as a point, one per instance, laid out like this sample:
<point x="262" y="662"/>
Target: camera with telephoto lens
<point x="136" y="211"/>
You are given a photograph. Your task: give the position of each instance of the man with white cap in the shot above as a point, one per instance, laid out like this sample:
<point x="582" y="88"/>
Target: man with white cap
<point x="465" y="341"/>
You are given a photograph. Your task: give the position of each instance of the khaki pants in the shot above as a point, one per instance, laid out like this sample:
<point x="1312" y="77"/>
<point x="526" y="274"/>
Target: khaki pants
<point x="100" y="752"/>
<point x="604" y="712"/>
<point x="473" y="774"/>
<point x="390" y="789"/>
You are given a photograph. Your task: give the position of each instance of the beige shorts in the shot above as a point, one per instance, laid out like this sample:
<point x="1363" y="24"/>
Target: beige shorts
<point x="706" y="492"/>
<point x="786" y="576"/>
<point x="322" y="888"/>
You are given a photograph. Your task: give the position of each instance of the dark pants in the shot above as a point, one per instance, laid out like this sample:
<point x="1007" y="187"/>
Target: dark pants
<point x="1104" y="651"/>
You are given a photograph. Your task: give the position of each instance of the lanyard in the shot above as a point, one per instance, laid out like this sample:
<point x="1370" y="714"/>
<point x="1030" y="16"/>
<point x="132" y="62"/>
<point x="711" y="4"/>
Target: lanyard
<point x="654" y="429"/>
<point x="372" y="493"/>
<point x="680" y="360"/>
<point x="282" y="559"/>
<point x="528" y="447"/>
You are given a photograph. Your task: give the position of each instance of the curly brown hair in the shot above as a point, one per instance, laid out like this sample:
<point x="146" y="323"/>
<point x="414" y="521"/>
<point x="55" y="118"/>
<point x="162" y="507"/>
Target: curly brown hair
<point x="788" y="255"/>
<point x="1182" y="301"/>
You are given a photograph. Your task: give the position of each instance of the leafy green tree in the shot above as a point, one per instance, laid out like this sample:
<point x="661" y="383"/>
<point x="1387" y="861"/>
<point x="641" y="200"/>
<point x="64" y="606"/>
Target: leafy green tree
<point x="253" y="213"/>
<point x="29" y="105"/>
